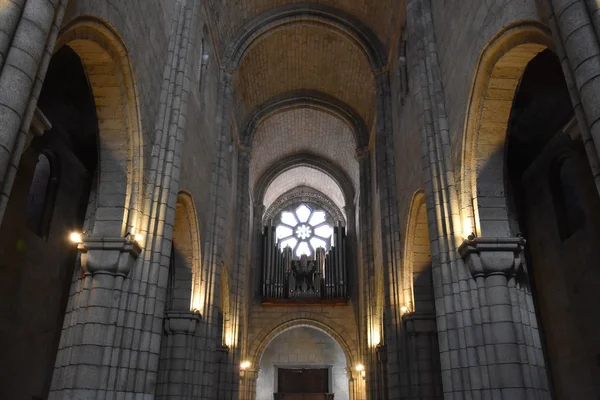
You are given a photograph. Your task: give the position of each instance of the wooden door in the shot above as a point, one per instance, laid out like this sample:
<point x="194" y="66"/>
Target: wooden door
<point x="303" y="380"/>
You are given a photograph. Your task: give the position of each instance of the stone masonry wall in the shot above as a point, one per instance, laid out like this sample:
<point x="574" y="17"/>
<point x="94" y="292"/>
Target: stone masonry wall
<point x="302" y="347"/>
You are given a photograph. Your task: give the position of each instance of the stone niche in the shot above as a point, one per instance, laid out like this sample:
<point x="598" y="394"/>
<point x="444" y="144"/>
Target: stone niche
<point x="302" y="347"/>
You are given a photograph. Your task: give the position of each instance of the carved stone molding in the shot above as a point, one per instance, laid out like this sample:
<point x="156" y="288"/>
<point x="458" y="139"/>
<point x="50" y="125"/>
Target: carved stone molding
<point x="181" y="322"/>
<point x="492" y="256"/>
<point x="108" y="255"/>
<point x="39" y="125"/>
<point x="304" y="196"/>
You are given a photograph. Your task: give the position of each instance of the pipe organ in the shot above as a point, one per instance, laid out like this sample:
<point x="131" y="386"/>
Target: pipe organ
<point x="322" y="275"/>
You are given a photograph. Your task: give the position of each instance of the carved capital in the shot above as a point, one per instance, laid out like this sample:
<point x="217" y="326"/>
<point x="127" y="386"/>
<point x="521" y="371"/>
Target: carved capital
<point x="112" y="256"/>
<point x="491" y="256"/>
<point x="181" y="322"/>
<point x="39" y="125"/>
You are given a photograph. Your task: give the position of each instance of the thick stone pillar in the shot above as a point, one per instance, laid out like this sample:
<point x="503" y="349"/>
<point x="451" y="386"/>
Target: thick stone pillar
<point x="248" y="379"/>
<point x="28" y="31"/>
<point x="576" y="26"/>
<point x="177" y="375"/>
<point x="468" y="335"/>
<point x="421" y="369"/>
<point x="87" y="353"/>
<point x="512" y="346"/>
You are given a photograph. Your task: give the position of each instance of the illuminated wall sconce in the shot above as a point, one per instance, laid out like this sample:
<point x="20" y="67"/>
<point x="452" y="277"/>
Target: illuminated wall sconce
<point x="361" y="369"/>
<point x="77" y="237"/>
<point x="404" y="309"/>
<point x="134" y="237"/>
<point x="245" y="365"/>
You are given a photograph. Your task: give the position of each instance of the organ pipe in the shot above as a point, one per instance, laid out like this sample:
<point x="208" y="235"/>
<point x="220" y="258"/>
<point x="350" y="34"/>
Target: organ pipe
<point x="324" y="275"/>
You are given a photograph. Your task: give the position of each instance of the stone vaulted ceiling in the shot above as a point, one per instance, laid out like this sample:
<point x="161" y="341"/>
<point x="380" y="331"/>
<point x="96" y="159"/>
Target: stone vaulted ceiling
<point x="304" y="130"/>
<point x="306" y="57"/>
<point x="228" y="16"/>
<point x="277" y="48"/>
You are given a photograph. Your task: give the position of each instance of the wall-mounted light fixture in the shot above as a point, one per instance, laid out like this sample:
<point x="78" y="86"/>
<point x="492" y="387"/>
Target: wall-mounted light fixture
<point x="77" y="237"/>
<point x="360" y="369"/>
<point x="245" y="365"/>
<point x="134" y="237"/>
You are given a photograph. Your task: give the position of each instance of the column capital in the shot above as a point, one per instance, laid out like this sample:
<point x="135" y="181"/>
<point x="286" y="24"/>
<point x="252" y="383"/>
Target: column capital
<point x="181" y="322"/>
<point x="492" y="256"/>
<point x="108" y="255"/>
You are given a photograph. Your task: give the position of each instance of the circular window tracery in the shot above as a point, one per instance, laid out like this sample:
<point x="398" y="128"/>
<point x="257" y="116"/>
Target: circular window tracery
<point x="304" y="230"/>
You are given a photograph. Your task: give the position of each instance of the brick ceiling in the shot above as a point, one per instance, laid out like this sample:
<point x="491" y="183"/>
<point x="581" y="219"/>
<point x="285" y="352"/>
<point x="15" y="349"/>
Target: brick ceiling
<point x="304" y="176"/>
<point x="228" y="16"/>
<point x="304" y="130"/>
<point x="305" y="57"/>
<point x="300" y="54"/>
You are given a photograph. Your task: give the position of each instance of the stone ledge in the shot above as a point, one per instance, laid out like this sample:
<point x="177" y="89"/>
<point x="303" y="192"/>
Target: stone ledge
<point x="181" y="322"/>
<point x="492" y="256"/>
<point x="108" y="255"/>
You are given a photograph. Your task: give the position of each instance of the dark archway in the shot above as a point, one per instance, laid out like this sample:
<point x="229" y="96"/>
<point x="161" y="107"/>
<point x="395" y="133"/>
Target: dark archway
<point x="49" y="199"/>
<point x="553" y="201"/>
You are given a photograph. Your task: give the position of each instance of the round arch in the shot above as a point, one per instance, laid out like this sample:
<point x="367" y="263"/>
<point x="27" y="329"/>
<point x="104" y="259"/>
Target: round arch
<point x="186" y="224"/>
<point x="304" y="195"/>
<point x="308" y="160"/>
<point x="271" y="331"/>
<point x="304" y="13"/>
<point x="417" y="257"/>
<point x="497" y="76"/>
<point x="306" y="99"/>
<point x="120" y="138"/>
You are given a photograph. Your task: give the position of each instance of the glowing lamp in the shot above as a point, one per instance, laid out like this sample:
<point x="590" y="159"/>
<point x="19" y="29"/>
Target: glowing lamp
<point x="360" y="368"/>
<point x="245" y="365"/>
<point x="76" y="237"/>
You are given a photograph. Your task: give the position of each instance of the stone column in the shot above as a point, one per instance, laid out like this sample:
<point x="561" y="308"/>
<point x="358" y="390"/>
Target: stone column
<point x="512" y="349"/>
<point x="576" y="27"/>
<point x="421" y="366"/>
<point x="248" y="379"/>
<point x="177" y="380"/>
<point x="28" y="34"/>
<point x="87" y="347"/>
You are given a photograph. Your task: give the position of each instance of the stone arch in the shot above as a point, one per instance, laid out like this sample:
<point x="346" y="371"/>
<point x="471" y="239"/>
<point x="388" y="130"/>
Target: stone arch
<point x="186" y="240"/>
<point x="497" y="76"/>
<point x="286" y="322"/>
<point x="105" y="59"/>
<point x="305" y="13"/>
<point x="306" y="99"/>
<point x="417" y="258"/>
<point x="304" y="195"/>
<point x="309" y="160"/>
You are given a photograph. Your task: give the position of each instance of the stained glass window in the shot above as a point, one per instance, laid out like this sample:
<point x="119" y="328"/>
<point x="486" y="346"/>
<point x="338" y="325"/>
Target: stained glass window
<point x="304" y="230"/>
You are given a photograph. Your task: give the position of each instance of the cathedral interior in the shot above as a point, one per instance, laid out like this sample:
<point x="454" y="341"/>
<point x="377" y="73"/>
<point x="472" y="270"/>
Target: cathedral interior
<point x="299" y="200"/>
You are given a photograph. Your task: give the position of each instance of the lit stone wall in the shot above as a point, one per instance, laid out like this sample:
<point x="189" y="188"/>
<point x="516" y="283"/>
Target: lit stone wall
<point x="302" y="347"/>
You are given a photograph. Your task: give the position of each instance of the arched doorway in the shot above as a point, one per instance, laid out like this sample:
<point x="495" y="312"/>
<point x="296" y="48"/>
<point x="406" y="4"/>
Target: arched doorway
<point x="302" y="362"/>
<point x="48" y="200"/>
<point x="553" y="201"/>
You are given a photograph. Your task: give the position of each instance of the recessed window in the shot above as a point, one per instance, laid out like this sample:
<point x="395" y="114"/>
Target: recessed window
<point x="304" y="230"/>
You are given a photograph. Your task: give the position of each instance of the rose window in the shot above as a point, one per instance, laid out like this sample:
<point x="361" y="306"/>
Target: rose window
<point x="304" y="230"/>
